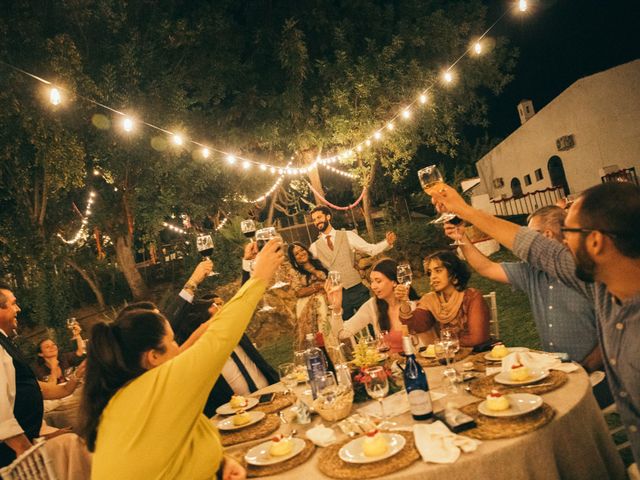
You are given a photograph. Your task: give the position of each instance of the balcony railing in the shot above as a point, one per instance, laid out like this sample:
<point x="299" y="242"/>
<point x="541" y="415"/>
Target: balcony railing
<point x="528" y="202"/>
<point x="623" y="175"/>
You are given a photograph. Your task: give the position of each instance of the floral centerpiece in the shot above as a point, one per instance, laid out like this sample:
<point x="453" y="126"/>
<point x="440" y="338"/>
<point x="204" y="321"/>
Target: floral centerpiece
<point x="364" y="356"/>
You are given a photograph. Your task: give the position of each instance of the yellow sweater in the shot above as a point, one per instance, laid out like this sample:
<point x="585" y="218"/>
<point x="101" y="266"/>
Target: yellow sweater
<point x="153" y="427"/>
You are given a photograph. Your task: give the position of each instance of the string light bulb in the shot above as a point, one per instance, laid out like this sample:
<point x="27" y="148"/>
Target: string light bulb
<point x="406" y="113"/>
<point x="423" y="98"/>
<point x="127" y="124"/>
<point x="477" y="47"/>
<point x="448" y="77"/>
<point x="54" y="96"/>
<point x="246" y="164"/>
<point x="522" y="5"/>
<point x="177" y="139"/>
<point x="377" y="135"/>
<point x="390" y="126"/>
<point x="231" y="159"/>
<point x="206" y="152"/>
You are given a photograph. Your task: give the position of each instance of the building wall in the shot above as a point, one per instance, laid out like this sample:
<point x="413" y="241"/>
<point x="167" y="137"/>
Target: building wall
<point x="601" y="111"/>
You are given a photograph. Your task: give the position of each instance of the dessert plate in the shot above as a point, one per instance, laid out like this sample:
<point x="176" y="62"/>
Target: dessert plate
<point x="520" y="403"/>
<point x="491" y="358"/>
<point x="227" y="409"/>
<point x="352" y="452"/>
<point x="534" y="376"/>
<point x="227" y="423"/>
<point x="428" y="354"/>
<point x="259" y="455"/>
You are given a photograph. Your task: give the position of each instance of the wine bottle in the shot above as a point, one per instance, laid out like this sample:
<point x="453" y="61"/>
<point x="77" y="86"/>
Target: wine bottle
<point x="313" y="358"/>
<point x="415" y="382"/>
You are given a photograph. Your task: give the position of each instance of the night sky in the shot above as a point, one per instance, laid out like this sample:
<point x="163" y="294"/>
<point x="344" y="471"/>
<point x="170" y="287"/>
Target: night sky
<point x="561" y="41"/>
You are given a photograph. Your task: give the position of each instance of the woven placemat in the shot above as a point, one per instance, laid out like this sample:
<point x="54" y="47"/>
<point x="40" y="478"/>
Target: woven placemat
<point x="254" y="471"/>
<point x="332" y="466"/>
<point x="492" y="428"/>
<point x="482" y="387"/>
<point x="462" y="354"/>
<point x="279" y="402"/>
<point x="264" y="427"/>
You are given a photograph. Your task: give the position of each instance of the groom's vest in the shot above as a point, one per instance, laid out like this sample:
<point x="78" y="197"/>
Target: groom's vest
<point x="340" y="258"/>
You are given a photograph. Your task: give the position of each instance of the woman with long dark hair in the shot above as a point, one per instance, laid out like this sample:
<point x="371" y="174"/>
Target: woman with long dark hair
<point x="143" y="399"/>
<point x="382" y="311"/>
<point x="308" y="287"/>
<point x="450" y="304"/>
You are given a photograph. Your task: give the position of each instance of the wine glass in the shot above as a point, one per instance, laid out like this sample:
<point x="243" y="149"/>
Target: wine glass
<point x="404" y="274"/>
<point x="431" y="181"/>
<point x="377" y="386"/>
<point x="381" y="339"/>
<point x="262" y="237"/>
<point x="204" y="244"/>
<point x="248" y="228"/>
<point x="445" y="349"/>
<point x="288" y="376"/>
<point x="335" y="282"/>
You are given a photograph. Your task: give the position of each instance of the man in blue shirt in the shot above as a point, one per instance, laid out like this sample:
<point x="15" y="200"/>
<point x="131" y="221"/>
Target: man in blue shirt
<point x="565" y="319"/>
<point x="601" y="261"/>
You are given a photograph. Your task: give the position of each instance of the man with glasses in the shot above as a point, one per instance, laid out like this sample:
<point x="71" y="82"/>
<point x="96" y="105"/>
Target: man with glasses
<point x="602" y="262"/>
<point x="565" y="319"/>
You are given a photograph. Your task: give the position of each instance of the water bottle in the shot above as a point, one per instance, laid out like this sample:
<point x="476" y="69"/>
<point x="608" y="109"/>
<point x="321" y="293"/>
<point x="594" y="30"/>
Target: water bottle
<point x="316" y="363"/>
<point x="415" y="382"/>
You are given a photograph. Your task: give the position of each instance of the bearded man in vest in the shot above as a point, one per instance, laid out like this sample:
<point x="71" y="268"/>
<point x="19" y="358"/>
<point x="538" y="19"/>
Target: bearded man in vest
<point x="335" y="249"/>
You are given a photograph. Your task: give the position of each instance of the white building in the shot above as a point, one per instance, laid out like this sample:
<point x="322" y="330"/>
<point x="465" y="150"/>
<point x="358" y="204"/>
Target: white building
<point x="589" y="130"/>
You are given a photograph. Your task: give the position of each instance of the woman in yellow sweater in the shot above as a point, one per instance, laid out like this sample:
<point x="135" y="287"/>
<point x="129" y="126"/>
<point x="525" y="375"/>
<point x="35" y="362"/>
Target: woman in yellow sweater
<point x="142" y="402"/>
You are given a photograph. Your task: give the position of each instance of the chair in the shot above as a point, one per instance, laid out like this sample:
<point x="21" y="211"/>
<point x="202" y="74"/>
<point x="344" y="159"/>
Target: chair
<point x="595" y="378"/>
<point x="34" y="464"/>
<point x="494" y="327"/>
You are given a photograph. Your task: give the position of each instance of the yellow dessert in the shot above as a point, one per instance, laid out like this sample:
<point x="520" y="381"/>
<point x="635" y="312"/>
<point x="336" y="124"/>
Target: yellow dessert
<point x="241" y="418"/>
<point x="499" y="351"/>
<point x="280" y="446"/>
<point x="238" y="401"/>
<point x="496" y="401"/>
<point x="518" y="372"/>
<point x="375" y="444"/>
<point x="430" y="351"/>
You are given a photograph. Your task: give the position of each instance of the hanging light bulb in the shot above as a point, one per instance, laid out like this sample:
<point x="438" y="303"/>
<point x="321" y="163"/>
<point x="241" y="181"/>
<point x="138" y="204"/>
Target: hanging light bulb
<point x="477" y="48"/>
<point x="359" y="148"/>
<point x="423" y="98"/>
<point x="406" y="113"/>
<point x="231" y="159"/>
<point x="263" y="167"/>
<point x="127" y="124"/>
<point x="377" y="135"/>
<point x="390" y="126"/>
<point x="368" y="142"/>
<point x="206" y="152"/>
<point x="522" y="5"/>
<point x="54" y="96"/>
<point x="177" y="139"/>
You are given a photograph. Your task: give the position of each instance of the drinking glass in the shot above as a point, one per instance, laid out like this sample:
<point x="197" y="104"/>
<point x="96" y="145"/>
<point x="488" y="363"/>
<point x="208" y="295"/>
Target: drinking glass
<point x="262" y="237"/>
<point x="288" y="376"/>
<point x="404" y="274"/>
<point x="377" y="387"/>
<point x="445" y="349"/>
<point x="204" y="244"/>
<point x="431" y="181"/>
<point x="382" y="344"/>
<point x="335" y="281"/>
<point x="248" y="228"/>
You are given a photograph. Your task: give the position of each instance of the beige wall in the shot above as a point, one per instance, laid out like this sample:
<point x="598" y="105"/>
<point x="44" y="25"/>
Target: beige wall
<point x="603" y="114"/>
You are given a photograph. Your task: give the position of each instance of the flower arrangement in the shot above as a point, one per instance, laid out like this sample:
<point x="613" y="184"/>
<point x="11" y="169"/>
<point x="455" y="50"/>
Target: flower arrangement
<point x="364" y="357"/>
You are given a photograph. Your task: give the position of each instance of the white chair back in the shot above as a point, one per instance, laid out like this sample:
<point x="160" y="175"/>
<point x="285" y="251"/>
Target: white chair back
<point x="34" y="464"/>
<point x="494" y="327"/>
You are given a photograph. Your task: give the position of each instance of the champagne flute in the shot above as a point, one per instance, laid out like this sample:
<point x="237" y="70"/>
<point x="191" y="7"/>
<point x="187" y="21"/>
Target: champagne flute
<point x="377" y="387"/>
<point x="204" y="244"/>
<point x="431" y="181"/>
<point x="335" y="281"/>
<point x="248" y="228"/>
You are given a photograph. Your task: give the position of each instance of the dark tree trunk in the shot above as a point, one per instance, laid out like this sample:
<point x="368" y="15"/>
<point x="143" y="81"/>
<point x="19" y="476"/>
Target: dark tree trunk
<point x="127" y="263"/>
<point x="92" y="282"/>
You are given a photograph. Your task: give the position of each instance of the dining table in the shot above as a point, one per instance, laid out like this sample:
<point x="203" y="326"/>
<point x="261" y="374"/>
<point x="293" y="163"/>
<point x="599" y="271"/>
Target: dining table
<point x="575" y="444"/>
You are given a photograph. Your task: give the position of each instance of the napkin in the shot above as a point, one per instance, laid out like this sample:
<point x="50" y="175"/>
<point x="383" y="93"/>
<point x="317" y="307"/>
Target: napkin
<point x="535" y="361"/>
<point x="395" y="404"/>
<point x="321" y="435"/>
<point x="437" y="444"/>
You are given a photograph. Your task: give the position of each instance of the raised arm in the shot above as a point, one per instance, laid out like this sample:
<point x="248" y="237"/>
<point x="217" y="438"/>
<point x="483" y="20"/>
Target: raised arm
<point x="372" y="249"/>
<point x="474" y="257"/>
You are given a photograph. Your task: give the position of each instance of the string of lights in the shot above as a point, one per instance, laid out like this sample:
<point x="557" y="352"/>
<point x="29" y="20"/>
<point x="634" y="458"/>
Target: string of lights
<point x="82" y="231"/>
<point x="129" y="123"/>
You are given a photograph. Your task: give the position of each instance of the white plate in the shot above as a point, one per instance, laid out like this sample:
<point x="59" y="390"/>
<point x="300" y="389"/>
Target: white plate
<point x="352" y="452"/>
<point x="534" y="376"/>
<point x="520" y="403"/>
<point x="259" y="455"/>
<point x="226" y="409"/>
<point x="227" y="423"/>
<point x="491" y="358"/>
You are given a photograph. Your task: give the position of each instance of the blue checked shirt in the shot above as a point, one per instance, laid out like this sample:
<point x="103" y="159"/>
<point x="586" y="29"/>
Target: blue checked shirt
<point x="565" y="318"/>
<point x="618" y="325"/>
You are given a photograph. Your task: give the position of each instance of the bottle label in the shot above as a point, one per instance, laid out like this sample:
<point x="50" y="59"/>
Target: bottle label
<point x="420" y="402"/>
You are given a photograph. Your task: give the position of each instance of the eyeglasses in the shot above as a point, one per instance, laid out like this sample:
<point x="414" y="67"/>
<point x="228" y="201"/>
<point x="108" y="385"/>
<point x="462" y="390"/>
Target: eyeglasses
<point x="588" y="230"/>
